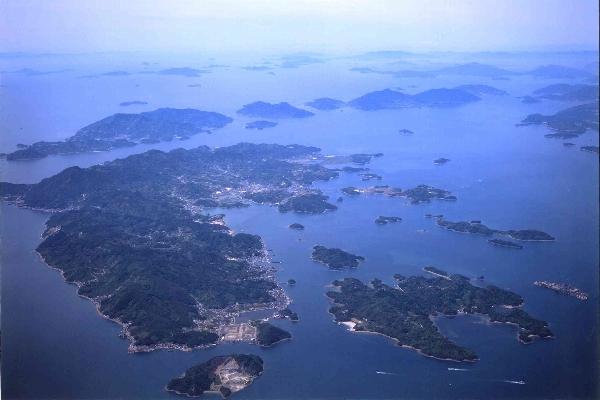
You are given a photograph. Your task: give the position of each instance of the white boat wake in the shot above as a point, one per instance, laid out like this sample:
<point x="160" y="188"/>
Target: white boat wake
<point x="385" y="373"/>
<point x="514" y="382"/>
<point x="458" y="369"/>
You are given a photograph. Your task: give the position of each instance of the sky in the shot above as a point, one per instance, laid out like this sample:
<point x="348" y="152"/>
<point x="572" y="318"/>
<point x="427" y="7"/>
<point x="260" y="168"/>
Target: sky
<point x="341" y="26"/>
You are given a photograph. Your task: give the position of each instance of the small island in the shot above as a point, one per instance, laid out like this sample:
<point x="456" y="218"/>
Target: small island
<point x="383" y="220"/>
<point x="476" y="227"/>
<point x="222" y="374"/>
<point x="405" y="131"/>
<point x="181" y="71"/>
<point x="369" y="177"/>
<point x="590" y="149"/>
<point x="408" y="311"/>
<point x="261" y="109"/>
<point x="416" y="195"/>
<point x="296" y="226"/>
<point x="563" y="288"/>
<point x="441" y="161"/>
<point x="133" y="103"/>
<point x="260" y="125"/>
<point x="335" y="258"/>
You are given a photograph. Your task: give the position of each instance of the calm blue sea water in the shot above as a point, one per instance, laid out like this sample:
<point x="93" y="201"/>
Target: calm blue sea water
<point x="54" y="344"/>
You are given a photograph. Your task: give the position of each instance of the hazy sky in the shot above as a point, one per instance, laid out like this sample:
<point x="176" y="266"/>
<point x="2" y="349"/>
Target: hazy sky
<point x="296" y="25"/>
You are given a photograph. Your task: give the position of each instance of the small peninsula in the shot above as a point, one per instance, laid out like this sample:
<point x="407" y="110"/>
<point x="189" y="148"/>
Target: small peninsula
<point x="268" y="334"/>
<point x="563" y="288"/>
<point x="529" y="100"/>
<point x="436" y="271"/>
<point x="407" y="312"/>
<point x="482" y="90"/>
<point x="221" y="374"/>
<point x="335" y="258"/>
<point x="261" y="109"/>
<point x="286" y="313"/>
<point x="309" y="203"/>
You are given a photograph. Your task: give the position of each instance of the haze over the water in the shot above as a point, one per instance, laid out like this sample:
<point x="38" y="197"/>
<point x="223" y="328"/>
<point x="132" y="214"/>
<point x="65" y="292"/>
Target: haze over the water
<point x="74" y="26"/>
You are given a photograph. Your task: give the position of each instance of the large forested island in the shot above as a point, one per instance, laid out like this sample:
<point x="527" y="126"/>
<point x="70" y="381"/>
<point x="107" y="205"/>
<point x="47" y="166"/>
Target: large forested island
<point x="568" y="123"/>
<point x="406" y="313"/>
<point x="132" y="234"/>
<point x="222" y="374"/>
<point x="123" y="130"/>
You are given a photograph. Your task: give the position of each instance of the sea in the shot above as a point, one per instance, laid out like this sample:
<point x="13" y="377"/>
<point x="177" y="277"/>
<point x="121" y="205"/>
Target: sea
<point x="55" y="345"/>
